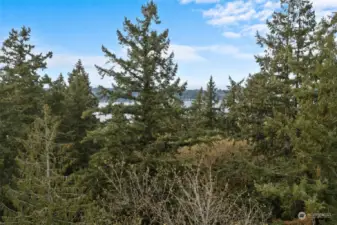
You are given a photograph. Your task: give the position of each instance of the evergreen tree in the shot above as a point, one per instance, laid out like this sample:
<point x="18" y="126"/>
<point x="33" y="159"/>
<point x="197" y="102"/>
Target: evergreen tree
<point x="304" y="175"/>
<point x="55" y="96"/>
<point x="147" y="79"/>
<point x="197" y="110"/>
<point x="21" y="95"/>
<point x="211" y="100"/>
<point x="316" y="146"/>
<point x="197" y="104"/>
<point x="248" y="107"/>
<point x="78" y="99"/>
<point x="311" y="178"/>
<point x="196" y="119"/>
<point x="204" y="116"/>
<point x="290" y="45"/>
<point x="270" y="106"/>
<point x="41" y="195"/>
<point x="231" y="110"/>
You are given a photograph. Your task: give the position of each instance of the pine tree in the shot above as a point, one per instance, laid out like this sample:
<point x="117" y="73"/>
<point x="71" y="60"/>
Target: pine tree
<point x="211" y="100"/>
<point x="197" y="111"/>
<point x="40" y="194"/>
<point x="55" y="96"/>
<point x="231" y="110"/>
<point x="21" y="95"/>
<point x="316" y="146"/>
<point x="270" y="105"/>
<point x="78" y="99"/>
<point x="204" y="116"/>
<point x="197" y="104"/>
<point x="290" y="45"/>
<point x="195" y="120"/>
<point x="248" y="107"/>
<point x="147" y="79"/>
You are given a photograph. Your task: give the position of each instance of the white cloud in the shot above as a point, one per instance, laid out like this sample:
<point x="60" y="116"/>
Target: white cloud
<point x="64" y="63"/>
<point x="198" y="1"/>
<point x="245" y="17"/>
<point x="239" y="10"/>
<point x="193" y="54"/>
<point x="252" y="29"/>
<point x="185" y="53"/>
<point x="65" y="60"/>
<point x="323" y="13"/>
<point x="229" y="34"/>
<point x="271" y="5"/>
<point x="225" y="50"/>
<point x="324" y="8"/>
<point x="230" y="13"/>
<point x="324" y="4"/>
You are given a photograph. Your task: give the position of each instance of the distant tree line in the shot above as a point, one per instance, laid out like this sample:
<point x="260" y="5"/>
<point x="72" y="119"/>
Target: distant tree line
<point x="189" y="94"/>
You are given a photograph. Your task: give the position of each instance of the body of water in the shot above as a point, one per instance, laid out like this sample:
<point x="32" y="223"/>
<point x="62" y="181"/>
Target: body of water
<point x="187" y="103"/>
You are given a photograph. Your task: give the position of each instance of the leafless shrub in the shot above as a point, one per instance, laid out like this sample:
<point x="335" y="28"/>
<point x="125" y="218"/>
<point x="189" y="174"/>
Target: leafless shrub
<point x="172" y="196"/>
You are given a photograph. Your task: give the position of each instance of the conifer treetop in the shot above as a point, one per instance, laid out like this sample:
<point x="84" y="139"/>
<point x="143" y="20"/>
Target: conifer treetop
<point x="16" y="48"/>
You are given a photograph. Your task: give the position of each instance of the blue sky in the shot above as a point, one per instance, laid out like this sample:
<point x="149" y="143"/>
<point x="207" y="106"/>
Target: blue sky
<point x="208" y="37"/>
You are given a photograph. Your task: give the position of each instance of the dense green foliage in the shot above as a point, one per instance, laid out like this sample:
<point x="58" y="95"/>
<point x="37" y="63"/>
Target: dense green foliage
<point x="60" y="165"/>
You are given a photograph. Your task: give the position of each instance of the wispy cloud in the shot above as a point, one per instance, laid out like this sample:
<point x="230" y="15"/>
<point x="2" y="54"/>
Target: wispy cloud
<point x="230" y="34"/>
<point x="325" y="4"/>
<point x="183" y="54"/>
<point x="231" y="12"/>
<point x="64" y="63"/>
<point x="186" y="53"/>
<point x="324" y="7"/>
<point x="240" y="18"/>
<point x="64" y="60"/>
<point x="228" y="50"/>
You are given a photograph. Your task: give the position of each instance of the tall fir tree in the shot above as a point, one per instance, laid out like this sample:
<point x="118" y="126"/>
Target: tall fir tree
<point x="231" y="110"/>
<point x="270" y="99"/>
<point x="315" y="148"/>
<point x="21" y="95"/>
<point x="147" y="79"/>
<point x="41" y="194"/>
<point x="286" y="61"/>
<point x="78" y="99"/>
<point x="55" y="95"/>
<point x="211" y="101"/>
<point x="204" y="115"/>
<point x="311" y="174"/>
<point x="196" y="119"/>
<point x="270" y="104"/>
<point x="197" y="109"/>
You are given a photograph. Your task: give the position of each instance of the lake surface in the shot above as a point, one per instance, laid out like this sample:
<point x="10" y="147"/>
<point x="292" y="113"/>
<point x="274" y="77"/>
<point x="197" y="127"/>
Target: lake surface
<point x="187" y="103"/>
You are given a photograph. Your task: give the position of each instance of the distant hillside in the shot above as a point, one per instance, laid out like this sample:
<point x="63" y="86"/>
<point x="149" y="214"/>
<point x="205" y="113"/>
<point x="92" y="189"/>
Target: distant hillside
<point x="187" y="95"/>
